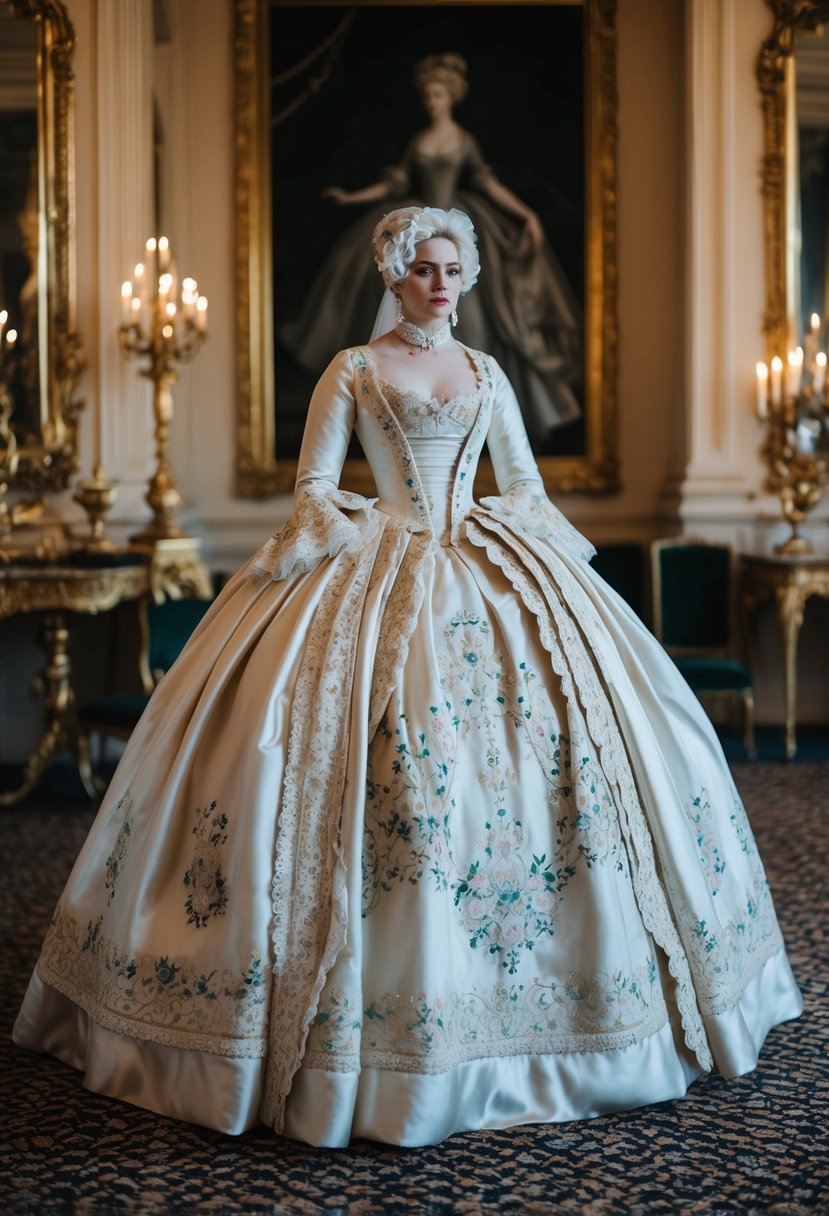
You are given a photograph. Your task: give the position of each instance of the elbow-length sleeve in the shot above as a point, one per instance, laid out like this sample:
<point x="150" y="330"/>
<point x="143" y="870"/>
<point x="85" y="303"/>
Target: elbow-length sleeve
<point x="326" y="520"/>
<point x="523" y="503"/>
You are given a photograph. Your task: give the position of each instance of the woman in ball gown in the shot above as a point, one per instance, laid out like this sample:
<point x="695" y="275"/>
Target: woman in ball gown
<point x="423" y="832"/>
<point x="524" y="312"/>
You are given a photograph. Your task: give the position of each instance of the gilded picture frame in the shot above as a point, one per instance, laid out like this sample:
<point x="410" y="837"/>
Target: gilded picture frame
<point x="264" y="465"/>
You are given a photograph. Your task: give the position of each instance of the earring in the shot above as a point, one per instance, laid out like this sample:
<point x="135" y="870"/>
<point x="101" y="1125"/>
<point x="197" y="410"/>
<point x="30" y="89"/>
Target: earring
<point x="398" y="307"/>
<point x="454" y="317"/>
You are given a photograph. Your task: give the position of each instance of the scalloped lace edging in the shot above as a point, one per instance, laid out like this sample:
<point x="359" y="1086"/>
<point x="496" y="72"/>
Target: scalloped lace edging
<point x="577" y="672"/>
<point x="323" y="524"/>
<point x="400" y="614"/>
<point x="433" y="1064"/>
<point x="527" y="508"/>
<point x="238" y="1049"/>
<point x="309" y="896"/>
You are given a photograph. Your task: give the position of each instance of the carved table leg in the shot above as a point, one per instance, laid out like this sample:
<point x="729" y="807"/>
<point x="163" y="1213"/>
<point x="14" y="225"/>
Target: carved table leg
<point x="54" y="685"/>
<point x="790" y="617"/>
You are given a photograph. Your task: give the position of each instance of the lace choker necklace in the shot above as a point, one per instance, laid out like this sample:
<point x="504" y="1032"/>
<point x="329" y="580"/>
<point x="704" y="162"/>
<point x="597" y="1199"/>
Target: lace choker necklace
<point x="415" y="336"/>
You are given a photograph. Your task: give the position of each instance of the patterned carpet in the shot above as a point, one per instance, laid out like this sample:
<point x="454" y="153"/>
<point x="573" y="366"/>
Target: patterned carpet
<point x="758" y="1146"/>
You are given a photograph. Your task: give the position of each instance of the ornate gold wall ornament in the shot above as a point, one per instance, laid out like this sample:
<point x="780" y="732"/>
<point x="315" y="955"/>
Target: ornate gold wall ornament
<point x="259" y="471"/>
<point x="48" y="460"/>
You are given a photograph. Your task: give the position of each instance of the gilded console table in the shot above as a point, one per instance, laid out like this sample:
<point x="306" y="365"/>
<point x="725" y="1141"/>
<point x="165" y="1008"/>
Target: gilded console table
<point x="789" y="580"/>
<point x="54" y="590"/>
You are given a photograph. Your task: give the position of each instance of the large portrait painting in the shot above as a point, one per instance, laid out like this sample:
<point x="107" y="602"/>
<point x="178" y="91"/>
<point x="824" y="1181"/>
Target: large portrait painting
<point x="342" y="112"/>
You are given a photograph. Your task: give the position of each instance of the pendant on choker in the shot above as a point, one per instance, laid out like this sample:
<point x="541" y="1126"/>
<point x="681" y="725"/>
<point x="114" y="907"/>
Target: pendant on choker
<point x="413" y="335"/>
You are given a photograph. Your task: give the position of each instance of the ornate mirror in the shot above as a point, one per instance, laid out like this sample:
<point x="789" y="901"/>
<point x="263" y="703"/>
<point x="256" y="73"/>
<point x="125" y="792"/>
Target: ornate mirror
<point x="793" y="72"/>
<point x="42" y="366"/>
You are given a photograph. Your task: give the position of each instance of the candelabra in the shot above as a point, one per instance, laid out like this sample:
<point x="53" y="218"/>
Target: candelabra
<point x="167" y="326"/>
<point x="794" y="401"/>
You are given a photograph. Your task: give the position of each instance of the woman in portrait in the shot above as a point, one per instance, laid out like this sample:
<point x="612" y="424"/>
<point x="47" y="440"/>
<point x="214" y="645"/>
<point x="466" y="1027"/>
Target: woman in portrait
<point x="524" y="314"/>
<point x="424" y="831"/>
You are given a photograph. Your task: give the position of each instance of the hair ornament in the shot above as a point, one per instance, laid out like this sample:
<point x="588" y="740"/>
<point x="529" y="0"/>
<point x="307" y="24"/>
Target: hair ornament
<point x="397" y="235"/>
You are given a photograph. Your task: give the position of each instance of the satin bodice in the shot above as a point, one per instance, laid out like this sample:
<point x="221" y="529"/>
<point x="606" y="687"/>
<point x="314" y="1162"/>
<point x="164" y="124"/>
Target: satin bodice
<point x="435" y="432"/>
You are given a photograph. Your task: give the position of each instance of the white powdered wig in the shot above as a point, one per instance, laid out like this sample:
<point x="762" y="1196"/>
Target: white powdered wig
<point x="398" y="234"/>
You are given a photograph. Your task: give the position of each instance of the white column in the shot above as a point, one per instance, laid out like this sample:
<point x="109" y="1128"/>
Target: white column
<point x="719" y="474"/>
<point x="115" y="176"/>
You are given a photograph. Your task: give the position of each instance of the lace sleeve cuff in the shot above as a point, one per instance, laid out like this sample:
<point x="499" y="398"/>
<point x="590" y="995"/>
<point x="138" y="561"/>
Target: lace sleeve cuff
<point x="323" y="524"/>
<point x="526" y="508"/>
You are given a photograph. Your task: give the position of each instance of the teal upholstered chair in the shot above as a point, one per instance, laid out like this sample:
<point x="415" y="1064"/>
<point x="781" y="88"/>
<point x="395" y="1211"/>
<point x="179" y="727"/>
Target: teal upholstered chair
<point x="692" y="582"/>
<point x="164" y="630"/>
<point x="622" y="564"/>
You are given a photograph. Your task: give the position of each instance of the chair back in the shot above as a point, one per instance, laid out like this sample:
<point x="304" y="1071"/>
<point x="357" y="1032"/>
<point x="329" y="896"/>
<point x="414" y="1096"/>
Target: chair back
<point x="691" y="581"/>
<point x="165" y="630"/>
<point x="622" y="565"/>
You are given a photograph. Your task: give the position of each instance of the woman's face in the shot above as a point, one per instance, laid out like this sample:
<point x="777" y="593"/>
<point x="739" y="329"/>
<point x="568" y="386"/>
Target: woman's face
<point x="430" y="290"/>
<point x="437" y="100"/>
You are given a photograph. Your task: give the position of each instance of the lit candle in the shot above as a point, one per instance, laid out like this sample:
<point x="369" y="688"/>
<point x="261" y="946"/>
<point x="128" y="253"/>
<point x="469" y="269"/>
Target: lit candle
<point x="201" y="314"/>
<point x="11" y="338"/>
<point x="171" y="309"/>
<point x="794" y="372"/>
<point x="189" y="295"/>
<point x="820" y="372"/>
<point x="762" y="390"/>
<point x="165" y="282"/>
<point x="4" y="316"/>
<point x="810" y="342"/>
<point x="138" y="279"/>
<point x="163" y="253"/>
<point x="776" y="379"/>
<point x="126" y="296"/>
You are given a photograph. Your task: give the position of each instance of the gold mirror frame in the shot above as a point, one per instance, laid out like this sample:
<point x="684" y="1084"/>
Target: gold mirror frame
<point x="49" y="463"/>
<point x="772" y="76"/>
<point x="258" y="472"/>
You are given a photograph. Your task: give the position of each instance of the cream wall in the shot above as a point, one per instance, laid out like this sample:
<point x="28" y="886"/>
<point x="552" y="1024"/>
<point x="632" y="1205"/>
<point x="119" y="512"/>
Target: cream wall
<point x="689" y="262"/>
